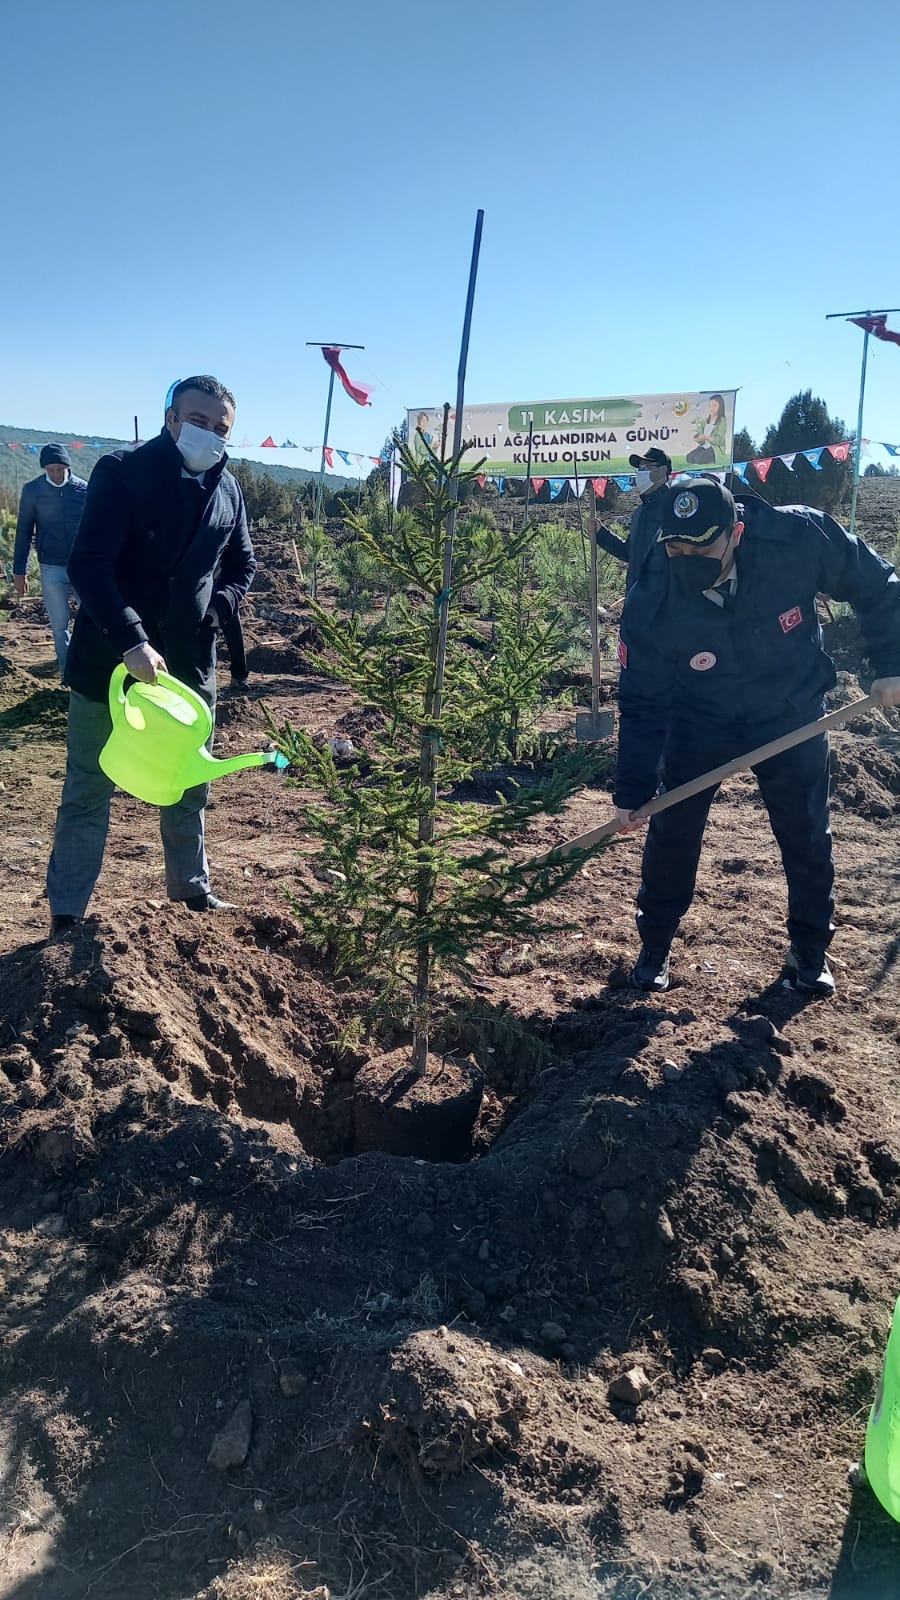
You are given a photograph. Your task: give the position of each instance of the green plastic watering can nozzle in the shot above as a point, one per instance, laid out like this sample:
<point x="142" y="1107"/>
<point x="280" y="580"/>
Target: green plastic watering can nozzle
<point x="157" y="747"/>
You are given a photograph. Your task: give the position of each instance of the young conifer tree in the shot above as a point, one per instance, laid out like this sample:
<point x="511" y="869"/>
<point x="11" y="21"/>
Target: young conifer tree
<point x="421" y="880"/>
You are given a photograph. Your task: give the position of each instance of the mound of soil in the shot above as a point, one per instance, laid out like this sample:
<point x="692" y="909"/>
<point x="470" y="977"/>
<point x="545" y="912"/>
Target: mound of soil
<point x="627" y="1347"/>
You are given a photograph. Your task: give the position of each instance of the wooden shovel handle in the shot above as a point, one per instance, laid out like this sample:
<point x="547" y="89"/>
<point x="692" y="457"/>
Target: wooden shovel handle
<point x="763" y="752"/>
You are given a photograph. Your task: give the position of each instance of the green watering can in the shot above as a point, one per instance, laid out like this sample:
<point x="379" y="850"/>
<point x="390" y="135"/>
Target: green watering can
<point x="883" y="1431"/>
<point x="157" y="747"/>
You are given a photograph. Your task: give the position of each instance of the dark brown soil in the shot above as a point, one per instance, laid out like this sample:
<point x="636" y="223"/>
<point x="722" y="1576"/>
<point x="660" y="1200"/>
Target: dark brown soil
<point x="626" y="1349"/>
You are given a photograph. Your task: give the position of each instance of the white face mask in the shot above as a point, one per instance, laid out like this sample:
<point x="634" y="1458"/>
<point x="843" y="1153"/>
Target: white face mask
<point x="200" y="448"/>
<point x="643" y="480"/>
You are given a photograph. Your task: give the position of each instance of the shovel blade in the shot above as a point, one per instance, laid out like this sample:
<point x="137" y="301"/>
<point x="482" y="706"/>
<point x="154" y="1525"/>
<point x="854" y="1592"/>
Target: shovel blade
<point x="592" y="726"/>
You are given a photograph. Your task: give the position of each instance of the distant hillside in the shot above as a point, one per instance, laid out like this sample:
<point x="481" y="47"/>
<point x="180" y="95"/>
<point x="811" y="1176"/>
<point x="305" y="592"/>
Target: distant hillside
<point x="17" y="466"/>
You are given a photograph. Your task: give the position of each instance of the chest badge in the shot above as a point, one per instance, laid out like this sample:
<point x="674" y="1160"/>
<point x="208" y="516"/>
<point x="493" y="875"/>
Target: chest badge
<point x="790" y="619"/>
<point x="702" y="661"/>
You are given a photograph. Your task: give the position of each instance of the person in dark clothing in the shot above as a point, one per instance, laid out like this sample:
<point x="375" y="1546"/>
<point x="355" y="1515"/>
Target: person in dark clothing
<point x="50" y="511"/>
<point x="233" y="634"/>
<point x="720" y="651"/>
<point x="652" y="473"/>
<point x="162" y="558"/>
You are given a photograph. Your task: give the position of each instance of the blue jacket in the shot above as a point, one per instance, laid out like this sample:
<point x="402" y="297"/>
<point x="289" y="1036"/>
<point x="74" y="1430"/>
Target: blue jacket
<point x="141" y="578"/>
<point x="687" y="662"/>
<point x="51" y="517"/>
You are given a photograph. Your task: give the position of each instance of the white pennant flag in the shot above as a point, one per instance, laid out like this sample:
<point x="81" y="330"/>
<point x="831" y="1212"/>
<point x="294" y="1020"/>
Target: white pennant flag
<point x="789" y="460"/>
<point x="576" y="486"/>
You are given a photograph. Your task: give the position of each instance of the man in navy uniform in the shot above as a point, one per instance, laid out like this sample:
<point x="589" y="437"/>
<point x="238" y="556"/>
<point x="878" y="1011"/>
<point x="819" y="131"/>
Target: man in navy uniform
<point x="720" y="651"/>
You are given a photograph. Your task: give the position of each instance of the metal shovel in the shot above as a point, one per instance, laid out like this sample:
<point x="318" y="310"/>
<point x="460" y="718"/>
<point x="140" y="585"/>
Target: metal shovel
<point x="662" y="802"/>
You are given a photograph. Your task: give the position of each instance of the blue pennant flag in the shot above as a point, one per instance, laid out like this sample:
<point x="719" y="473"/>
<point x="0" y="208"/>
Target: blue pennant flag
<point x="96" y="445"/>
<point x="501" y="483"/>
<point x="740" y="468"/>
<point x="892" y="449"/>
<point x="814" y="457"/>
<point x="344" y="457"/>
<point x="34" y="449"/>
<point x="625" y="483"/>
<point x="556" y="487"/>
<point x="289" y="445"/>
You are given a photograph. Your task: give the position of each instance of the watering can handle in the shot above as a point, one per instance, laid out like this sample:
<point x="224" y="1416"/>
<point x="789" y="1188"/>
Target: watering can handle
<point x="117" y="689"/>
<point x="186" y="692"/>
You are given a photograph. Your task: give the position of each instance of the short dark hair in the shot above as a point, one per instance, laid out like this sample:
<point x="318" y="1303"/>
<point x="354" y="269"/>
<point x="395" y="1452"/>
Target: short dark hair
<point x="206" y="385"/>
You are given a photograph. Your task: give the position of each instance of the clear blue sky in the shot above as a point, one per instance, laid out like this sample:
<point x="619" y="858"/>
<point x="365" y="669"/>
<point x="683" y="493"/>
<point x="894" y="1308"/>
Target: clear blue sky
<point x="674" y="197"/>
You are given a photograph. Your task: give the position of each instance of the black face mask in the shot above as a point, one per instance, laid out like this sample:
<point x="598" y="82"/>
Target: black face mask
<point x="693" y="575"/>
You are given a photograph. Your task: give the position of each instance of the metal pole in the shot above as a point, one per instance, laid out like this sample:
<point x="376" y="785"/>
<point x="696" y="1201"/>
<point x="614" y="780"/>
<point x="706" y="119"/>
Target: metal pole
<point x="327" y="344"/>
<point x="859" y="422"/>
<point x="851" y="316"/>
<point x="320" y="490"/>
<point x="428" y="761"/>
<point x="457" y="443"/>
<point x="528" y="473"/>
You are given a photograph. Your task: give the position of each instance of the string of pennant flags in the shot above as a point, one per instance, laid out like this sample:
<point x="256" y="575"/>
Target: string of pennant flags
<point x="625" y="481"/>
<point x="347" y="456"/>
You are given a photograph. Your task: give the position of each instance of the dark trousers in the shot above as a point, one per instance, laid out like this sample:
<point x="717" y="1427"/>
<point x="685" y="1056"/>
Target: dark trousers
<point x="794" y="788"/>
<point x="233" y="634"/>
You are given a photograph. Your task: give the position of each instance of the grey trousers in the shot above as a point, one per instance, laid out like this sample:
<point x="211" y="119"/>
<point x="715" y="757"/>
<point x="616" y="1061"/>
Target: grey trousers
<point x="82" y="821"/>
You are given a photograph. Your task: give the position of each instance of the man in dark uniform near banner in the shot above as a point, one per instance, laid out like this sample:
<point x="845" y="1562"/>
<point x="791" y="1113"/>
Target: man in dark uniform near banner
<point x="721" y="651"/>
<point x="652" y="473"/>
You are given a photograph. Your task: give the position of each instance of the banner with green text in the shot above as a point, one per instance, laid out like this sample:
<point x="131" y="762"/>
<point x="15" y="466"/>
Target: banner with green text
<point x="597" y="435"/>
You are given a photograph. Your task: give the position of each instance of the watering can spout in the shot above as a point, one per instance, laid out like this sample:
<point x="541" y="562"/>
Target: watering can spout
<point x="157" y="747"/>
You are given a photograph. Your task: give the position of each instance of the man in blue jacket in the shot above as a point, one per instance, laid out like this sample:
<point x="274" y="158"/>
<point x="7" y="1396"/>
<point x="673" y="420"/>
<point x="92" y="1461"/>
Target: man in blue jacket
<point x="162" y="558"/>
<point x="50" y="510"/>
<point x="721" y="651"/>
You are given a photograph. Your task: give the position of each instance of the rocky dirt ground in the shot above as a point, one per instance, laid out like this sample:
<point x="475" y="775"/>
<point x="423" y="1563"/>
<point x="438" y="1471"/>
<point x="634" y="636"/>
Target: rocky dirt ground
<point x="626" y="1349"/>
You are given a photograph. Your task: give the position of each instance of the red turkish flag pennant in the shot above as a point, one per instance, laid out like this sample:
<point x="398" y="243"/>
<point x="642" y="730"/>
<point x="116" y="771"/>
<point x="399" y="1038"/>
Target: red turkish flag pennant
<point x="268" y="444"/>
<point x="840" y="452"/>
<point x="878" y="326"/>
<point x="761" y="468"/>
<point x="329" y="454"/>
<point x="76" y="445"/>
<point x="599" y="486"/>
<point x="481" y="480"/>
<point x="537" y="484"/>
<point x="357" y="391"/>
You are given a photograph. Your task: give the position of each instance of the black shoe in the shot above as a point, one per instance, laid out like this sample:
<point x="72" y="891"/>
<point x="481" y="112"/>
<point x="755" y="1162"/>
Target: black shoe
<point x="809" y="970"/>
<point x="238" y="686"/>
<point x="651" y="970"/>
<point x="208" y="902"/>
<point x="63" y="924"/>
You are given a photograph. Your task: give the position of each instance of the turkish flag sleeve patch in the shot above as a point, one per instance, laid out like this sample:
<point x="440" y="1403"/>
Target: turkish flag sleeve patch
<point x="790" y="619"/>
<point x="622" y="652"/>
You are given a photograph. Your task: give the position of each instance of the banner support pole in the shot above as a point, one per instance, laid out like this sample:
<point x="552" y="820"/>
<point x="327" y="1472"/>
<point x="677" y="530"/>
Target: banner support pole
<point x="857" y="454"/>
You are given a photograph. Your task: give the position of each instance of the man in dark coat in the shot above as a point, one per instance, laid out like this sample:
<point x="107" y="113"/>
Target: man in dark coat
<point x="162" y="558"/>
<point x="652" y="473"/>
<point x="50" y="511"/>
<point x="721" y="651"/>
